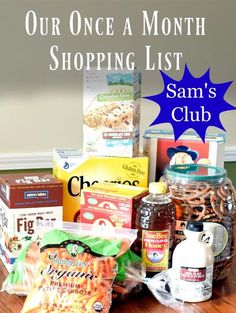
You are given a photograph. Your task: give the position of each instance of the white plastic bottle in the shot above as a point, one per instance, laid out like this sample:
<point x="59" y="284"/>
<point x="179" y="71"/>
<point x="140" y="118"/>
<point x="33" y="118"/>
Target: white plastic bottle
<point x="193" y="266"/>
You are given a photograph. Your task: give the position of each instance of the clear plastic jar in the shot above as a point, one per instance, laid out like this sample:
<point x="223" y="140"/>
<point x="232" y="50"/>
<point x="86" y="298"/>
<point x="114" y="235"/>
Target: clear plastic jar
<point x="204" y="193"/>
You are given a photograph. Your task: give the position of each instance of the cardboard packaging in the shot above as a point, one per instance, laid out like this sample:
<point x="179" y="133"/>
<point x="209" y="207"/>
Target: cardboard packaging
<point x="163" y="150"/>
<point x="110" y="205"/>
<point x="80" y="171"/>
<point x="111" y="108"/>
<point x="27" y="202"/>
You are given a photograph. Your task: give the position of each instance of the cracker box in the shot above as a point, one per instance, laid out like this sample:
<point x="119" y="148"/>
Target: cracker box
<point x="80" y="171"/>
<point x="111" y="108"/>
<point x="27" y="202"/>
<point x="163" y="150"/>
<point x="110" y="205"/>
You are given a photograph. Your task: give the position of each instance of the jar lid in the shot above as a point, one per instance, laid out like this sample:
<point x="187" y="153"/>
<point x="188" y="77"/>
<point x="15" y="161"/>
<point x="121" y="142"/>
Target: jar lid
<point x="196" y="172"/>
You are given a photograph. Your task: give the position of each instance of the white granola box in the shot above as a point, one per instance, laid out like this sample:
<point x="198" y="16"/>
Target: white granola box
<point x="111" y="109"/>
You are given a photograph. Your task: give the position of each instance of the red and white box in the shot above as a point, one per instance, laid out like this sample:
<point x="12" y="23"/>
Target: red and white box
<point x="28" y="202"/>
<point x="162" y="150"/>
<point x="110" y="205"/>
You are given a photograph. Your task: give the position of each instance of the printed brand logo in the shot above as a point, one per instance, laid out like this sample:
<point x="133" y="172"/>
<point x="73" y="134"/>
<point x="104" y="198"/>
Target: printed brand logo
<point x="32" y="180"/>
<point x="66" y="165"/>
<point x="56" y="274"/>
<point x="191" y="102"/>
<point x="133" y="169"/>
<point x="115" y="97"/>
<point x="73" y="249"/>
<point x="193" y="274"/>
<point x="28" y="224"/>
<point x="76" y="183"/>
<point x="40" y="194"/>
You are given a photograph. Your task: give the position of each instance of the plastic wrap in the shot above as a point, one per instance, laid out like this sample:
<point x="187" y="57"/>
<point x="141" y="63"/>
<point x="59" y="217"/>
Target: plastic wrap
<point x="22" y="277"/>
<point x="162" y="285"/>
<point x="76" y="269"/>
<point x="123" y="286"/>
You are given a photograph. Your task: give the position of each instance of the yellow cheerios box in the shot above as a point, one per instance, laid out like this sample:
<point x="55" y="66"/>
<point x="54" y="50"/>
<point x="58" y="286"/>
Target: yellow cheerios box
<point x="77" y="171"/>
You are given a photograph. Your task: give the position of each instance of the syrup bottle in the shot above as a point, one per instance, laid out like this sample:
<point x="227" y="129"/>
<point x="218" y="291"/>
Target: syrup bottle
<point x="193" y="265"/>
<point x="155" y="221"/>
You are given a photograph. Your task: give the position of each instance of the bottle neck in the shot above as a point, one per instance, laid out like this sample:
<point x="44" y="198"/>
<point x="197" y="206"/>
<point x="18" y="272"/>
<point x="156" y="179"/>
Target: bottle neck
<point x="193" y="235"/>
<point x="160" y="198"/>
<point x="156" y="195"/>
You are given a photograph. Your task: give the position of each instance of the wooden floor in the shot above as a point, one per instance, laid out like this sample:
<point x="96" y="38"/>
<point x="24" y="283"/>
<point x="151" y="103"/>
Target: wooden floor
<point x="223" y="300"/>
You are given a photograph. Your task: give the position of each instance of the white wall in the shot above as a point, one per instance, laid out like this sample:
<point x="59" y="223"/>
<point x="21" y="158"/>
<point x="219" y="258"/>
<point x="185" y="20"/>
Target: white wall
<point x="40" y="109"/>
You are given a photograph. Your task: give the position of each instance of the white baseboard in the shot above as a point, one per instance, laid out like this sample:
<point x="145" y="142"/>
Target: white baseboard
<point x="25" y="161"/>
<point x="230" y="154"/>
<point x="44" y="160"/>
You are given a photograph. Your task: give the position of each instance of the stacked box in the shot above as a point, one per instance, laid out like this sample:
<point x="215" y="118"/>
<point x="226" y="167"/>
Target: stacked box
<point x="111" y="108"/>
<point x="28" y="202"/>
<point x="110" y="205"/>
<point x="80" y="171"/>
<point x="163" y="150"/>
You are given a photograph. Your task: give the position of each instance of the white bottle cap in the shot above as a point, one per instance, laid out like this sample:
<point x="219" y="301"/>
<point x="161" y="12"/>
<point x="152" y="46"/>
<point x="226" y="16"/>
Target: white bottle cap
<point x="159" y="188"/>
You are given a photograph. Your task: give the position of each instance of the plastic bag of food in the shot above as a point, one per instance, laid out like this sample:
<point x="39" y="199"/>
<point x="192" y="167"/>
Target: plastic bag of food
<point x="122" y="286"/>
<point x="162" y="285"/>
<point x="21" y="278"/>
<point x="76" y="269"/>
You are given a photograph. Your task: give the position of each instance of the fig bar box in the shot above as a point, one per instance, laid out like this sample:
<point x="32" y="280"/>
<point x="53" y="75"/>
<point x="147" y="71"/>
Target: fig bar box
<point x="110" y="205"/>
<point x="111" y="109"/>
<point x="27" y="201"/>
<point x="163" y="150"/>
<point x="78" y="171"/>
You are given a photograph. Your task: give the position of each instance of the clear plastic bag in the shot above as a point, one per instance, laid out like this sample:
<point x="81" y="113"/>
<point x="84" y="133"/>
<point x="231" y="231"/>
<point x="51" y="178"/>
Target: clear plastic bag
<point x="123" y="286"/>
<point x="76" y="269"/>
<point x="22" y="277"/>
<point x="162" y="285"/>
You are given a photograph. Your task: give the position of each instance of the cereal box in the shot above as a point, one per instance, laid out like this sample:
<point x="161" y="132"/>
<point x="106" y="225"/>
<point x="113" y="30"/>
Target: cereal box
<point x="27" y="201"/>
<point x="110" y="205"/>
<point x="163" y="150"/>
<point x="111" y="108"/>
<point x="80" y="171"/>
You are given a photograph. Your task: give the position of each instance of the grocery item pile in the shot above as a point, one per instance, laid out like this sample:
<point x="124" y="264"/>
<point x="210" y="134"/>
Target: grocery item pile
<point x="93" y="232"/>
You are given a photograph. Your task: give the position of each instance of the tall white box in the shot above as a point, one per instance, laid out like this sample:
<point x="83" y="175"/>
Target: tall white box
<point x="111" y="111"/>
